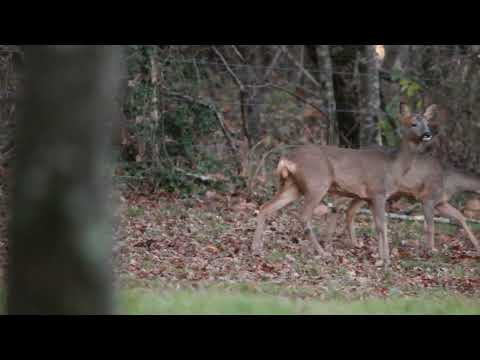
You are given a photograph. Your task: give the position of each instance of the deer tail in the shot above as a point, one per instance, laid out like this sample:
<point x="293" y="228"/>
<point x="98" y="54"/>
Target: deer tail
<point x="286" y="168"/>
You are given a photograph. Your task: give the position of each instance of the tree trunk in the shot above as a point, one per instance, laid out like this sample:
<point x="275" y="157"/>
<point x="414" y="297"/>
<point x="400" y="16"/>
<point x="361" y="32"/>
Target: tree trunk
<point x="59" y="251"/>
<point x="396" y="59"/>
<point x="300" y="76"/>
<point x="369" y="128"/>
<point x="326" y="76"/>
<point x="253" y="97"/>
<point x="342" y="57"/>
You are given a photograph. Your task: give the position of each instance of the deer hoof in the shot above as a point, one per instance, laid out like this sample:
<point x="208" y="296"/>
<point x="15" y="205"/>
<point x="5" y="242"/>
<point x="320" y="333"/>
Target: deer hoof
<point x="383" y="264"/>
<point x="307" y="249"/>
<point x="257" y="250"/>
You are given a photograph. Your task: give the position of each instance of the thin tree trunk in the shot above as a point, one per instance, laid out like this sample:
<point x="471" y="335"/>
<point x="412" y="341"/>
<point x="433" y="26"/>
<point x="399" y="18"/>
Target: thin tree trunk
<point x="300" y="76"/>
<point x="256" y="95"/>
<point x="369" y="129"/>
<point x="343" y="80"/>
<point x="59" y="251"/>
<point x="396" y="59"/>
<point x="326" y="76"/>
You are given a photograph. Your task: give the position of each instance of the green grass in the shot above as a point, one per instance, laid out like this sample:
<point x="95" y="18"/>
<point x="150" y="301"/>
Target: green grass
<point x="138" y="302"/>
<point x="474" y="226"/>
<point x="135" y="212"/>
<point x="214" y="302"/>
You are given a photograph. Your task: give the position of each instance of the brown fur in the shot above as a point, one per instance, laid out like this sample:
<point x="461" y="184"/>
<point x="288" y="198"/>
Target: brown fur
<point x="313" y="171"/>
<point x="434" y="186"/>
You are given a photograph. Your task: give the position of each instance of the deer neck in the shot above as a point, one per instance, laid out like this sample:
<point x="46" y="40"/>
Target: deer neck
<point x="405" y="158"/>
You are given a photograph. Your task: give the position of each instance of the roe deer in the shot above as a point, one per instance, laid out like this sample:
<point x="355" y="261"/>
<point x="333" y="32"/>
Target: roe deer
<point x="313" y="171"/>
<point x="433" y="186"/>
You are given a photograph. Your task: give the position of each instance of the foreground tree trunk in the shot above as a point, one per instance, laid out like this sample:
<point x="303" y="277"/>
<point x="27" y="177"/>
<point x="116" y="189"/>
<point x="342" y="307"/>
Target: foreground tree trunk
<point x="59" y="251"/>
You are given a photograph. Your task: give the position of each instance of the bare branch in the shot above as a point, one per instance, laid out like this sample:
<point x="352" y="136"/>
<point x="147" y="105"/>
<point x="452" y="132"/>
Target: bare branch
<point x="302" y="99"/>
<point x="300" y="66"/>
<point x="210" y="106"/>
<point x="229" y="69"/>
<point x="272" y="64"/>
<point x="239" y="54"/>
<point x="242" y="94"/>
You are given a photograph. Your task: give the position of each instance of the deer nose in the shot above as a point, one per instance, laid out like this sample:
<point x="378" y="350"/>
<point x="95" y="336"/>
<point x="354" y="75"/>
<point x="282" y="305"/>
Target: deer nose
<point x="427" y="136"/>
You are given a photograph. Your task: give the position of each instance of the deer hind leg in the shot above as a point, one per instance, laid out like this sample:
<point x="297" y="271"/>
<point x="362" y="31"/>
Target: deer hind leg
<point x="448" y="210"/>
<point x="351" y="212"/>
<point x="284" y="197"/>
<point x="311" y="202"/>
<point x="332" y="221"/>
<point x="380" y="220"/>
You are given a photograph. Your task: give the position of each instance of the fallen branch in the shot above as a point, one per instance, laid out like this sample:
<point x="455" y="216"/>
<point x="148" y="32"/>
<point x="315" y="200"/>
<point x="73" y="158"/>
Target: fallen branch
<point x="204" y="178"/>
<point x="411" y="218"/>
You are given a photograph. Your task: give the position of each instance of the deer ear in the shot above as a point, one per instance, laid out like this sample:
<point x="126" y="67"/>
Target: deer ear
<point x="405" y="113"/>
<point x="405" y="110"/>
<point x="431" y="112"/>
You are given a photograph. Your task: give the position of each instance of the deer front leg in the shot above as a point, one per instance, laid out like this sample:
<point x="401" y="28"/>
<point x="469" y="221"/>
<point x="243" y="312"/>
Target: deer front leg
<point x="311" y="202"/>
<point x="429" y="243"/>
<point x="448" y="210"/>
<point x="282" y="199"/>
<point x="380" y="219"/>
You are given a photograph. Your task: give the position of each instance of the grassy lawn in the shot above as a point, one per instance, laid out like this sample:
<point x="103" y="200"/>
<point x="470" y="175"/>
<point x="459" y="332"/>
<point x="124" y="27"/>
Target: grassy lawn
<point x="214" y="302"/>
<point x="139" y="302"/>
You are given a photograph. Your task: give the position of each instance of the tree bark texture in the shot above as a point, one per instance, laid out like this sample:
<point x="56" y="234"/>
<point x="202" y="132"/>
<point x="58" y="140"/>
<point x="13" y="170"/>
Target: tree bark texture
<point x="326" y="77"/>
<point x="369" y="128"/>
<point x="59" y="250"/>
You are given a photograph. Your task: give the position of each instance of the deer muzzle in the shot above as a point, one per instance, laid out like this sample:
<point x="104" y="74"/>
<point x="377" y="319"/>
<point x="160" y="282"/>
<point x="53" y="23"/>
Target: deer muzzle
<point x="427" y="136"/>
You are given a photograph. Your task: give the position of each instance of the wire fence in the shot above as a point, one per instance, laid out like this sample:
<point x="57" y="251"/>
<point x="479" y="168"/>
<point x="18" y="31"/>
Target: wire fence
<point x="231" y="93"/>
<point x="284" y="68"/>
<point x="223" y="69"/>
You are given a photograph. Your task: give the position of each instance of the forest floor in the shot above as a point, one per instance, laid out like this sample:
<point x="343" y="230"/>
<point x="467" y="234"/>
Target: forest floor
<point x="168" y="244"/>
<point x="195" y="252"/>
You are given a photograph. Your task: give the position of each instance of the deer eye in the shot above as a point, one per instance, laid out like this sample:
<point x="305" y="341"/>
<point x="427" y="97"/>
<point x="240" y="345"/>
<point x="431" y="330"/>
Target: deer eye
<point x="414" y="125"/>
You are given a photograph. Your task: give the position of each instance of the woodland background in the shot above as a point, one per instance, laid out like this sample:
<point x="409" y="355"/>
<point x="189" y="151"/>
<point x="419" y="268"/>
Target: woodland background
<point x="201" y="127"/>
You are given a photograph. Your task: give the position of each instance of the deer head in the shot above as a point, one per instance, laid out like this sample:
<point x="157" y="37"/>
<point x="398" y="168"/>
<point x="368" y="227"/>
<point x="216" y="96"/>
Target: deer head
<point x="415" y="126"/>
